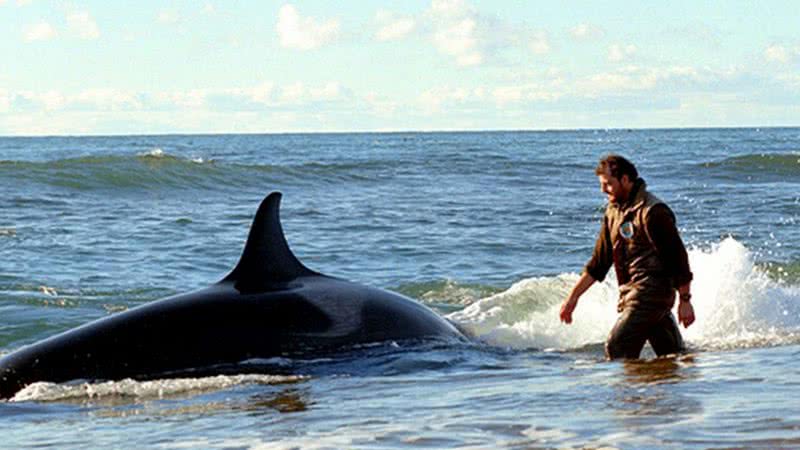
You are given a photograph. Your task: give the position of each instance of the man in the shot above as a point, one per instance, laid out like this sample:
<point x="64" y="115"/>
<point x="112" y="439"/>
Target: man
<point x="639" y="238"/>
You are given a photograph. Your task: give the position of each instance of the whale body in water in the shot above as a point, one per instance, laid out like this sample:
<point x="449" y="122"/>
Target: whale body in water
<point x="269" y="305"/>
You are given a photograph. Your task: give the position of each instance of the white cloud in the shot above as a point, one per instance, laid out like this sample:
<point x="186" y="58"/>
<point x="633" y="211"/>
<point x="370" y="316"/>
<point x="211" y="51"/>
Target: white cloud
<point x="106" y="100"/>
<point x="46" y="124"/>
<point x="393" y="27"/>
<point x="781" y="53"/>
<point x="330" y="91"/>
<point x="380" y="105"/>
<point x="191" y="99"/>
<point x="531" y="92"/>
<point x="83" y="25"/>
<point x="167" y="17"/>
<point x="293" y="93"/>
<point x="544" y="97"/>
<point x="540" y="43"/>
<point x="5" y="100"/>
<point x="304" y="33"/>
<point x="450" y="8"/>
<point x="586" y="31"/>
<point x="455" y="31"/>
<point x="51" y="100"/>
<point x="635" y="78"/>
<point x="208" y="8"/>
<point x="86" y="100"/>
<point x="458" y="39"/>
<point x="41" y="31"/>
<point x="102" y="99"/>
<point x="263" y="93"/>
<point x="434" y="99"/>
<point x="619" y="53"/>
<point x="616" y="81"/>
<point x="507" y="94"/>
<point x="268" y="93"/>
<point x="777" y="53"/>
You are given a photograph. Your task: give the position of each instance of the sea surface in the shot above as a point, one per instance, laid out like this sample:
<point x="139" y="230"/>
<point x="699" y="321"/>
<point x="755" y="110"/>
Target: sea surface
<point x="490" y="229"/>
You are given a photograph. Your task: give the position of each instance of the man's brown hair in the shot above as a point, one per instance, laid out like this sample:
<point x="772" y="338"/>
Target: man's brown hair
<point x="618" y="166"/>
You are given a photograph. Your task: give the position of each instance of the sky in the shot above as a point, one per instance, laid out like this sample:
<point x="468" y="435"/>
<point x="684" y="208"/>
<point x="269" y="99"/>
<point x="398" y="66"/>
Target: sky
<point x="227" y="66"/>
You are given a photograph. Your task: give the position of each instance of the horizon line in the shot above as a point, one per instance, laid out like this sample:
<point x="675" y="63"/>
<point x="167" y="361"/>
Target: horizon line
<point x="408" y="131"/>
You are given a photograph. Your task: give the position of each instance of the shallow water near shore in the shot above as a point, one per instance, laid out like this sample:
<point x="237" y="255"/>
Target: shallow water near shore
<point x="489" y="229"/>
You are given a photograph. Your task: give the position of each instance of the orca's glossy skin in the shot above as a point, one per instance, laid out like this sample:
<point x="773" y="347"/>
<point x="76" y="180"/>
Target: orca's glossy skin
<point x="269" y="305"/>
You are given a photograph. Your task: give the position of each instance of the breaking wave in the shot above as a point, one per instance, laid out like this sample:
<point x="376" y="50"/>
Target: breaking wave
<point x="738" y="304"/>
<point x="757" y="167"/>
<point x="143" y="390"/>
<point x="157" y="169"/>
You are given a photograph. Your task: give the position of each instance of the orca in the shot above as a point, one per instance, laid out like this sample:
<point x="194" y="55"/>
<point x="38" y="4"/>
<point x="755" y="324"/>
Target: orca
<point x="270" y="305"/>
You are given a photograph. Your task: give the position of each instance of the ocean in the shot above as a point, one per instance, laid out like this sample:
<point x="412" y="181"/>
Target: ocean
<point x="490" y="229"/>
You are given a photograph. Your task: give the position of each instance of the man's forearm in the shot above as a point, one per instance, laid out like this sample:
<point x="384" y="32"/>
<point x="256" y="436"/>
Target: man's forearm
<point x="583" y="284"/>
<point x="685" y="292"/>
<point x="569" y="304"/>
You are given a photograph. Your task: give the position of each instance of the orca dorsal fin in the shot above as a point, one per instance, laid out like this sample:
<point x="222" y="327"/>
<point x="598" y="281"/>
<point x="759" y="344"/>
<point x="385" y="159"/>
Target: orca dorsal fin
<point x="267" y="258"/>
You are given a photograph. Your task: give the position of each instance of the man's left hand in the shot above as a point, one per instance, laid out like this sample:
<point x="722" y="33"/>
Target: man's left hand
<point x="685" y="314"/>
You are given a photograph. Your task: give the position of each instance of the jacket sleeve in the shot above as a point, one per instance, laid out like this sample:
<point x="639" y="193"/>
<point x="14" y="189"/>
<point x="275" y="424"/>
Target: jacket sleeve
<point x="602" y="256"/>
<point x="663" y="233"/>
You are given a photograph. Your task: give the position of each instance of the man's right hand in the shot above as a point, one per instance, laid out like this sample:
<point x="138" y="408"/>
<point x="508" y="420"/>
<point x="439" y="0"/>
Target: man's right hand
<point x="571" y="302"/>
<point x="566" y="310"/>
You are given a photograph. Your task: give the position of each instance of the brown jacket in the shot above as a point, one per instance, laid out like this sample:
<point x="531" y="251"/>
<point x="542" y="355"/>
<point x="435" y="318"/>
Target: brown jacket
<point x="642" y="242"/>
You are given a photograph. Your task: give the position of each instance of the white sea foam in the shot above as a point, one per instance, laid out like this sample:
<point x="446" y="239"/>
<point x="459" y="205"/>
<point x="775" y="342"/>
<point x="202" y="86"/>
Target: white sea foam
<point x="736" y="304"/>
<point x="526" y="315"/>
<point x="159" y="153"/>
<point x="46" y="290"/>
<point x="154" y="153"/>
<point x="44" y="391"/>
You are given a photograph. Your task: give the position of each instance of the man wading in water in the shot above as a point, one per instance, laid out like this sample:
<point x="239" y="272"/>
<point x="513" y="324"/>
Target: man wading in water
<point x="639" y="238"/>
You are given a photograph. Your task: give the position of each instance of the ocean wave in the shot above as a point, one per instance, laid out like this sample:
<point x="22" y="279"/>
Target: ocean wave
<point x="738" y="304"/>
<point x="150" y="170"/>
<point x="783" y="272"/>
<point x="143" y="390"/>
<point x="447" y="293"/>
<point x="156" y="168"/>
<point x="755" y="167"/>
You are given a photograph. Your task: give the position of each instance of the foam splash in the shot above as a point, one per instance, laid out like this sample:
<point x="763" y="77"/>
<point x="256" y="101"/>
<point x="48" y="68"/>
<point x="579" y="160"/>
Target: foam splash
<point x="46" y="290"/>
<point x="154" y="153"/>
<point x="447" y="292"/>
<point x="128" y="388"/>
<point x="158" y="153"/>
<point x="526" y="315"/>
<point x="736" y="303"/>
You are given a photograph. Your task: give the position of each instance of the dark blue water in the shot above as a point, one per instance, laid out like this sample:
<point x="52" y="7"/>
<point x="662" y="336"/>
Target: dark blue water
<point x="488" y="228"/>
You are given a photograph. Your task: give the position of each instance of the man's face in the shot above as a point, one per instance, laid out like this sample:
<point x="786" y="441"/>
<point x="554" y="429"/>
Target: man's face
<point x="617" y="189"/>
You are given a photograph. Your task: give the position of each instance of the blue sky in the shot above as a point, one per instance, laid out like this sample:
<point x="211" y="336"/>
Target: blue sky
<point x="100" y="67"/>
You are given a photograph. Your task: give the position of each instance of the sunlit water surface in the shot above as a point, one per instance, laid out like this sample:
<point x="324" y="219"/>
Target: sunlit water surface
<point x="489" y="229"/>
